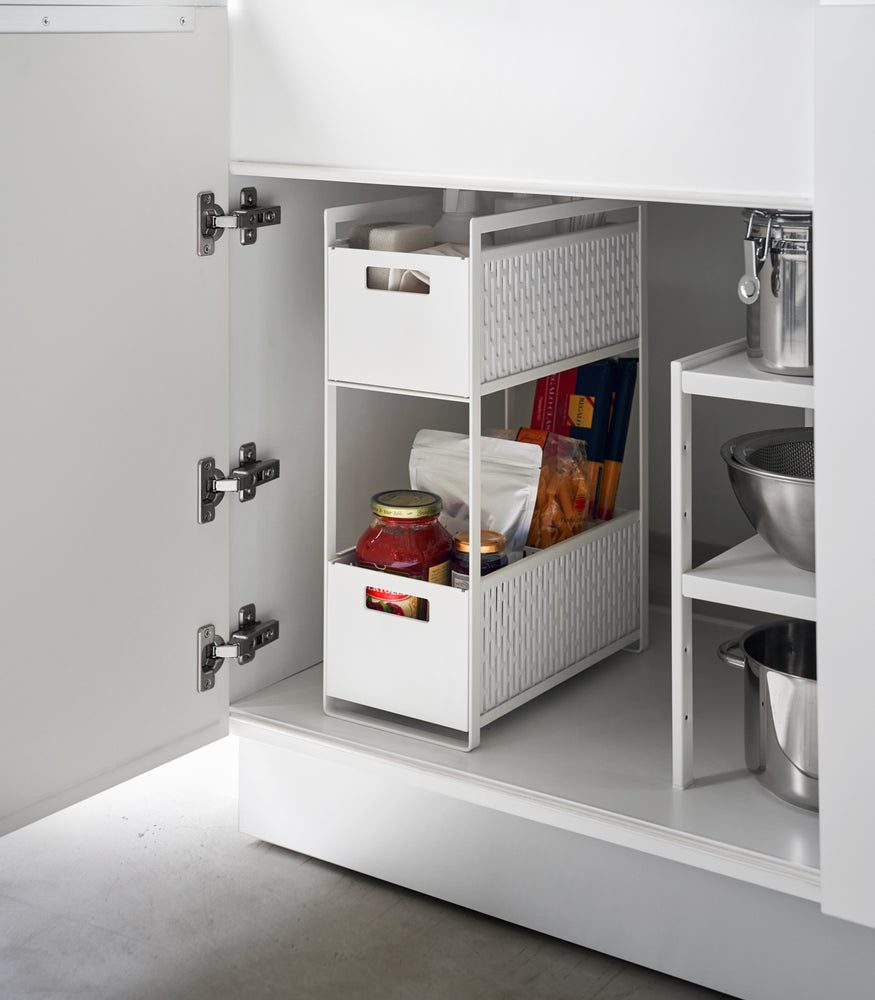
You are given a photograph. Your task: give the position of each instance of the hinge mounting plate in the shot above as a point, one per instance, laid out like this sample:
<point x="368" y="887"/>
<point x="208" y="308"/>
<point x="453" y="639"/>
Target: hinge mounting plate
<point x="244" y="480"/>
<point x="248" y="219"/>
<point x="244" y="643"/>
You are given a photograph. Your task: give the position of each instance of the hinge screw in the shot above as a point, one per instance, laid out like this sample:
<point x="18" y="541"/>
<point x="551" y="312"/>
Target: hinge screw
<point x="207" y="248"/>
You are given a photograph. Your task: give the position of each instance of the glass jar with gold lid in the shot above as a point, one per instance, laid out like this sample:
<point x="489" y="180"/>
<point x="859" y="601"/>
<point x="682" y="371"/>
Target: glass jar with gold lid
<point x="405" y="538"/>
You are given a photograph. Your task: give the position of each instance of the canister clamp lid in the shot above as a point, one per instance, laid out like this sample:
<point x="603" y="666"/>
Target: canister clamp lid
<point x="778" y="229"/>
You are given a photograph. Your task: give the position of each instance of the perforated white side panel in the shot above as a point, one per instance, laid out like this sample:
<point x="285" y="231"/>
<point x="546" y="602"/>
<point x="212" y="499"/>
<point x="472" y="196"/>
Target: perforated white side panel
<point x="541" y="306"/>
<point x="562" y="611"/>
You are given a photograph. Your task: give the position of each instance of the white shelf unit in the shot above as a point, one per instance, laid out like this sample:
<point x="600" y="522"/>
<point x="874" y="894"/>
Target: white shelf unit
<point x="504" y="316"/>
<point x="749" y="575"/>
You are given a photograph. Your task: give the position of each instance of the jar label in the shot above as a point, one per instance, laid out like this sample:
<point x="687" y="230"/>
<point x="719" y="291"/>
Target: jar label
<point x="440" y="573"/>
<point x="392" y="603"/>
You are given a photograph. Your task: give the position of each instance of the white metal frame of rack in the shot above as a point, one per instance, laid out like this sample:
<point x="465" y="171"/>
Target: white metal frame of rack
<point x="750" y="575"/>
<point x="450" y="708"/>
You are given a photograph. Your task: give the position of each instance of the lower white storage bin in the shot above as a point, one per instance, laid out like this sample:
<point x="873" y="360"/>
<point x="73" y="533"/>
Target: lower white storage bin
<point x="542" y="620"/>
<point x="561" y="611"/>
<point x="417" y="669"/>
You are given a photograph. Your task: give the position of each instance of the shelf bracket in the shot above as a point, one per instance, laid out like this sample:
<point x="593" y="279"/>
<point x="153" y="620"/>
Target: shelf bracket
<point x="250" y="636"/>
<point x="247" y="220"/>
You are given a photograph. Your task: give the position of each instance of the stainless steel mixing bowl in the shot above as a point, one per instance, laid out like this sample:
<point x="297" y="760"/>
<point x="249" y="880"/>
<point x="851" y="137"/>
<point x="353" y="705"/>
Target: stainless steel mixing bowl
<point x="772" y="474"/>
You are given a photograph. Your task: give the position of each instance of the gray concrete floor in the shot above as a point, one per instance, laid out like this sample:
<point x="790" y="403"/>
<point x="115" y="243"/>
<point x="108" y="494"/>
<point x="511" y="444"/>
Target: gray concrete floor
<point x="149" y="891"/>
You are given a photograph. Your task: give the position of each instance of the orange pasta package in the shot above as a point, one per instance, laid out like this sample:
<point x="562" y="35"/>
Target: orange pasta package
<point x="561" y="508"/>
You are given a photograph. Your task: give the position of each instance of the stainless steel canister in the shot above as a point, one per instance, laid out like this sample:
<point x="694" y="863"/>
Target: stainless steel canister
<point x="776" y="287"/>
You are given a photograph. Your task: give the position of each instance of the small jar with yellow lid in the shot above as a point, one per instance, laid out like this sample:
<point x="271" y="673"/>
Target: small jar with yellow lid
<point x="492" y="556"/>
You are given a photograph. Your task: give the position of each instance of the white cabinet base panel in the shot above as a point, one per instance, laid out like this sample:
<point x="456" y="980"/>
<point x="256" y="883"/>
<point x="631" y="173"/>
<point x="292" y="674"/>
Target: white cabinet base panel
<point x="722" y="933"/>
<point x="565" y="820"/>
<point x="593" y="757"/>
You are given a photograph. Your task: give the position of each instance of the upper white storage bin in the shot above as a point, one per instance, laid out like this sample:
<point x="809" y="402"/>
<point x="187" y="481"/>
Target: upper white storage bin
<point x="539" y="303"/>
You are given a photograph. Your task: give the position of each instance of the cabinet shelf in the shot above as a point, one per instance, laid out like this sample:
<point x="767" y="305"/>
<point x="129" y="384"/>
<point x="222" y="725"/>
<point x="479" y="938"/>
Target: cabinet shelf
<point x="751" y="575"/>
<point x="726" y="373"/>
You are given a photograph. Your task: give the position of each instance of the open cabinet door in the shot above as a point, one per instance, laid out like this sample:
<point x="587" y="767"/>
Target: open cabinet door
<point x="113" y="384"/>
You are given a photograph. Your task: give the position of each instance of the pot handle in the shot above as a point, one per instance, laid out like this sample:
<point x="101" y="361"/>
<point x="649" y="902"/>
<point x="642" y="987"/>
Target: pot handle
<point x="731" y="652"/>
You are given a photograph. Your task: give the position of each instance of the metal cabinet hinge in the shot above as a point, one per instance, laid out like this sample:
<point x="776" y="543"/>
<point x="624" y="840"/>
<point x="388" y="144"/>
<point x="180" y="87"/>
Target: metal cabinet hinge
<point x="212" y="650"/>
<point x="244" y="480"/>
<point x="248" y="219"/>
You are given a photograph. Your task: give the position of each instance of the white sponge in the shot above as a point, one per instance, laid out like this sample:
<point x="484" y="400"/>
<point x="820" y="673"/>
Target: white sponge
<point x="401" y="237"/>
<point x="360" y="236"/>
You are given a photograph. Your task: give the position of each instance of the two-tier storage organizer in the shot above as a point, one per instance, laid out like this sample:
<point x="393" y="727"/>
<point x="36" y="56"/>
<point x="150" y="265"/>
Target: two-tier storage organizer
<point x="749" y="575"/>
<point x="501" y="317"/>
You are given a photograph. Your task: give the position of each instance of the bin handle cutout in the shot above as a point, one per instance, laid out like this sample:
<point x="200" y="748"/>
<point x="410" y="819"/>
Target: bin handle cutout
<point x="398" y="279"/>
<point x="391" y="602"/>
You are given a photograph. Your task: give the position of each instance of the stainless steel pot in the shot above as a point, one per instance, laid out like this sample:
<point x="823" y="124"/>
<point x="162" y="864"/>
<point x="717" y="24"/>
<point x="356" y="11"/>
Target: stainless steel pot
<point x="780" y="706"/>
<point x="776" y="287"/>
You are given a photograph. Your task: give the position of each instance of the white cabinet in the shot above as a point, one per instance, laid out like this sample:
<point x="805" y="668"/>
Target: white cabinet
<point x="117" y="380"/>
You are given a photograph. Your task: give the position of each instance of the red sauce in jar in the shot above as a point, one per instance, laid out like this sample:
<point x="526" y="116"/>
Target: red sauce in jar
<point x="405" y="538"/>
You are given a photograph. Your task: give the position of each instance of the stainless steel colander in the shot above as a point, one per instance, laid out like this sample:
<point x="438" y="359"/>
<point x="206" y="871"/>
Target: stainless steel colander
<point x="772" y="474"/>
<point x="787" y="453"/>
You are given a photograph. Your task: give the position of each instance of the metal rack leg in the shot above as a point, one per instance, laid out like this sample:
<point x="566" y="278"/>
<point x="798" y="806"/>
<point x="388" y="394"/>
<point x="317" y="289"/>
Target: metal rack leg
<point x="681" y="562"/>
